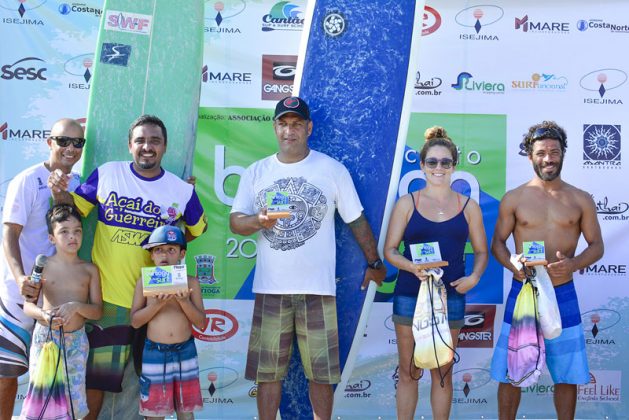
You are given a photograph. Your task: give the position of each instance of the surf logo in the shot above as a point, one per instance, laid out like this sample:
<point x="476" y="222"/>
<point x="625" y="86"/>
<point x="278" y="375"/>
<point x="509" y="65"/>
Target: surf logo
<point x="601" y="146"/>
<point x="601" y="82"/>
<point x="431" y="20"/>
<point x="26" y="68"/>
<point x="545" y="82"/>
<point x="116" y="54"/>
<point x="464" y="82"/>
<point x="283" y="16"/>
<point x="128" y="22"/>
<point x="334" y="24"/>
<point x="478" y="17"/>
<point x="278" y="75"/>
<point x="309" y="209"/>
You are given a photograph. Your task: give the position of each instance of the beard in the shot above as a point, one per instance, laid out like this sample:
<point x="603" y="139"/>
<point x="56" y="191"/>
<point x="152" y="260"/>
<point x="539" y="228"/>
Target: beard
<point x="147" y="165"/>
<point x="548" y="176"/>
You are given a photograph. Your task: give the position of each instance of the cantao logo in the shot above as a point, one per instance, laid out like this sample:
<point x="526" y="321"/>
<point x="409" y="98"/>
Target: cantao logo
<point x="219" y="326"/>
<point x="431" y="20"/>
<point x="24" y="69"/>
<point x="283" y="16"/>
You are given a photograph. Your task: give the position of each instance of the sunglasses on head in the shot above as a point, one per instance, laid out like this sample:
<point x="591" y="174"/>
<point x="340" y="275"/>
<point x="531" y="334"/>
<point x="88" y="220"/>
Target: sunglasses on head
<point x="64" y="141"/>
<point x="547" y="133"/>
<point x="431" y="163"/>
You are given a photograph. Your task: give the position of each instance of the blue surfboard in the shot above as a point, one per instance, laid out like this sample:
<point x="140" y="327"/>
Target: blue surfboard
<point x="356" y="77"/>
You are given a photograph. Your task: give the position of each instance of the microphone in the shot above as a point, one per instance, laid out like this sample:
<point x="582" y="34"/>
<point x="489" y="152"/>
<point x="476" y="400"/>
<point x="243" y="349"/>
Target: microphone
<point x="38" y="268"/>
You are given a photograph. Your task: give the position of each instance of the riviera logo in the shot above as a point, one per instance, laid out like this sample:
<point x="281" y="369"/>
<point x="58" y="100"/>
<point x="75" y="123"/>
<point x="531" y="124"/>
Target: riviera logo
<point x="464" y="82"/>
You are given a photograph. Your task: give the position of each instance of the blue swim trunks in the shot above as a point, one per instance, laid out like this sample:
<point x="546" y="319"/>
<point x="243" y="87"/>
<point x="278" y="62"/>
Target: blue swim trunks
<point x="566" y="357"/>
<point x="404" y="310"/>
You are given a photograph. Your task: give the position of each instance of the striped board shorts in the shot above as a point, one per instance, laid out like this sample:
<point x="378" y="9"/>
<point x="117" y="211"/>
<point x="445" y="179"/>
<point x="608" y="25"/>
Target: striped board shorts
<point x="15" y="338"/>
<point x="170" y="379"/>
<point x="566" y="357"/>
<point x="276" y="320"/>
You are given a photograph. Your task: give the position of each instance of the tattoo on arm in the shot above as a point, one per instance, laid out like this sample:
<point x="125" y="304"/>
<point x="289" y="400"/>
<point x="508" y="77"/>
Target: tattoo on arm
<point x="364" y="236"/>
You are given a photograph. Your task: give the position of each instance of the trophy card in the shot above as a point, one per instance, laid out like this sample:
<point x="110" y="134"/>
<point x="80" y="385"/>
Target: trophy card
<point x="168" y="279"/>
<point x="277" y="204"/>
<point x="534" y="252"/>
<point x="427" y="255"/>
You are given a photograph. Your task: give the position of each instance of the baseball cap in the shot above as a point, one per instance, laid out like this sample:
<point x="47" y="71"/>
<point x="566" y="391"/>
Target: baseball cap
<point x="292" y="104"/>
<point x="166" y="235"/>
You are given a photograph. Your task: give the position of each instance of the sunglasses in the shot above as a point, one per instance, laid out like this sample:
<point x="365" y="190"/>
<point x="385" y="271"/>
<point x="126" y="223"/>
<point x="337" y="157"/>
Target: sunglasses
<point x="431" y="163"/>
<point x="64" y="141"/>
<point x="547" y="133"/>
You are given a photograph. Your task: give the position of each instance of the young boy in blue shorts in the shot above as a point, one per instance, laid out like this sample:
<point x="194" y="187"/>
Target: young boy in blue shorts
<point x="170" y="371"/>
<point x="71" y="294"/>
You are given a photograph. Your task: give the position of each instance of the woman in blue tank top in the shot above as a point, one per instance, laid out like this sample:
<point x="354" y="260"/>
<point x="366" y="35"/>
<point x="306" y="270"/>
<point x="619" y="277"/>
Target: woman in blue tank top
<point x="434" y="214"/>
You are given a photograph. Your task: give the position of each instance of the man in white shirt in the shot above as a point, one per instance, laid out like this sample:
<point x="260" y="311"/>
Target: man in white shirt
<point x="25" y="236"/>
<point x="295" y="267"/>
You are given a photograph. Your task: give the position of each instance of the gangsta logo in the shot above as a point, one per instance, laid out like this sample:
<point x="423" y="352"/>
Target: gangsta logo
<point x="308" y="206"/>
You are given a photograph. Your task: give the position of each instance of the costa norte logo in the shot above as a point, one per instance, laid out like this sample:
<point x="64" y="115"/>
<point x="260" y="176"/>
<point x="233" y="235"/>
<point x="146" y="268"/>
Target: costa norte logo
<point x="464" y="82"/>
<point x="27" y="68"/>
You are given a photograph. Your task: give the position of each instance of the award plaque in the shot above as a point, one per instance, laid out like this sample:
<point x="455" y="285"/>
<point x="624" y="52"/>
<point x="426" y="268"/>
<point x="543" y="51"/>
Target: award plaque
<point x="168" y="279"/>
<point x="534" y="253"/>
<point x="277" y="204"/>
<point x="428" y="255"/>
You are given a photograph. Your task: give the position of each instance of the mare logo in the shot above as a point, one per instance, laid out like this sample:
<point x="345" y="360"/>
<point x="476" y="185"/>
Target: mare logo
<point x="477" y="17"/>
<point x="601" y="146"/>
<point x="334" y="24"/>
<point x="583" y="25"/>
<point x="526" y="25"/>
<point x="22" y="9"/>
<point x="431" y="20"/>
<point x="134" y="23"/>
<point x="604" y="269"/>
<point x="602" y="81"/>
<point x="283" y="16"/>
<point x="231" y="77"/>
<point x="219" y="326"/>
<point x="80" y="66"/>
<point x="466" y="381"/>
<point x="214" y="380"/>
<point x="464" y="82"/>
<point x="427" y="87"/>
<point x="358" y="389"/>
<point x="596" y="324"/>
<point x="604" y="387"/>
<point x="22" y="134"/>
<point x="541" y="82"/>
<point x="478" y="331"/>
<point x="611" y="211"/>
<point x="116" y="54"/>
<point x="26" y="68"/>
<point x="220" y="18"/>
<point x="278" y="74"/>
<point x="66" y="9"/>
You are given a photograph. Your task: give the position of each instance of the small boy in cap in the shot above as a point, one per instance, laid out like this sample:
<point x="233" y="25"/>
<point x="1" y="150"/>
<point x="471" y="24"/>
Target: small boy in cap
<point x="170" y="371"/>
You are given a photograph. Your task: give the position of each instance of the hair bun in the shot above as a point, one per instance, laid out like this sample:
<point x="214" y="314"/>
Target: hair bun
<point x="436" y="132"/>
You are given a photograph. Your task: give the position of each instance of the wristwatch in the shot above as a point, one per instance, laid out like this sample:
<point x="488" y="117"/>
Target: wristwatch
<point x="376" y="265"/>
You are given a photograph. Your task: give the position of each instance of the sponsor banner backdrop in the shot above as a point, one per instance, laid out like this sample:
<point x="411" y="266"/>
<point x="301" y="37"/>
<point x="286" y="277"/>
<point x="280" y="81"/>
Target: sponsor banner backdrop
<point x="487" y="72"/>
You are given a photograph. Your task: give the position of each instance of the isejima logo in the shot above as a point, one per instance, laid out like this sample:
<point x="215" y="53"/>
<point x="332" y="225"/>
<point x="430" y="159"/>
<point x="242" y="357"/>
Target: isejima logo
<point x="478" y="18"/>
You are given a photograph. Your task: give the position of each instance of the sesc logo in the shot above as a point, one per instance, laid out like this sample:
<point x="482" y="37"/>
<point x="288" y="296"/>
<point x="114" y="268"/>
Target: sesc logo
<point x="28" y="68"/>
<point x="601" y="146"/>
<point x="602" y="81"/>
<point x="278" y="74"/>
<point x="431" y="20"/>
<point x="478" y="331"/>
<point x="478" y="17"/>
<point x="219" y="326"/>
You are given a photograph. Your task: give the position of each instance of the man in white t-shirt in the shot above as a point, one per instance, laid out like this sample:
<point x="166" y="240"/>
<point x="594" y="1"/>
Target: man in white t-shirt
<point x="25" y="236"/>
<point x="296" y="261"/>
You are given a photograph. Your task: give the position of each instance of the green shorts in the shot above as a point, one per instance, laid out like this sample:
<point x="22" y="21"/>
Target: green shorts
<point x="110" y="346"/>
<point x="276" y="320"/>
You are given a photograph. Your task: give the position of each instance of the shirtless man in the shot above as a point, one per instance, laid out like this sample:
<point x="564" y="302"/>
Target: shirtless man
<point x="170" y="373"/>
<point x="548" y="209"/>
